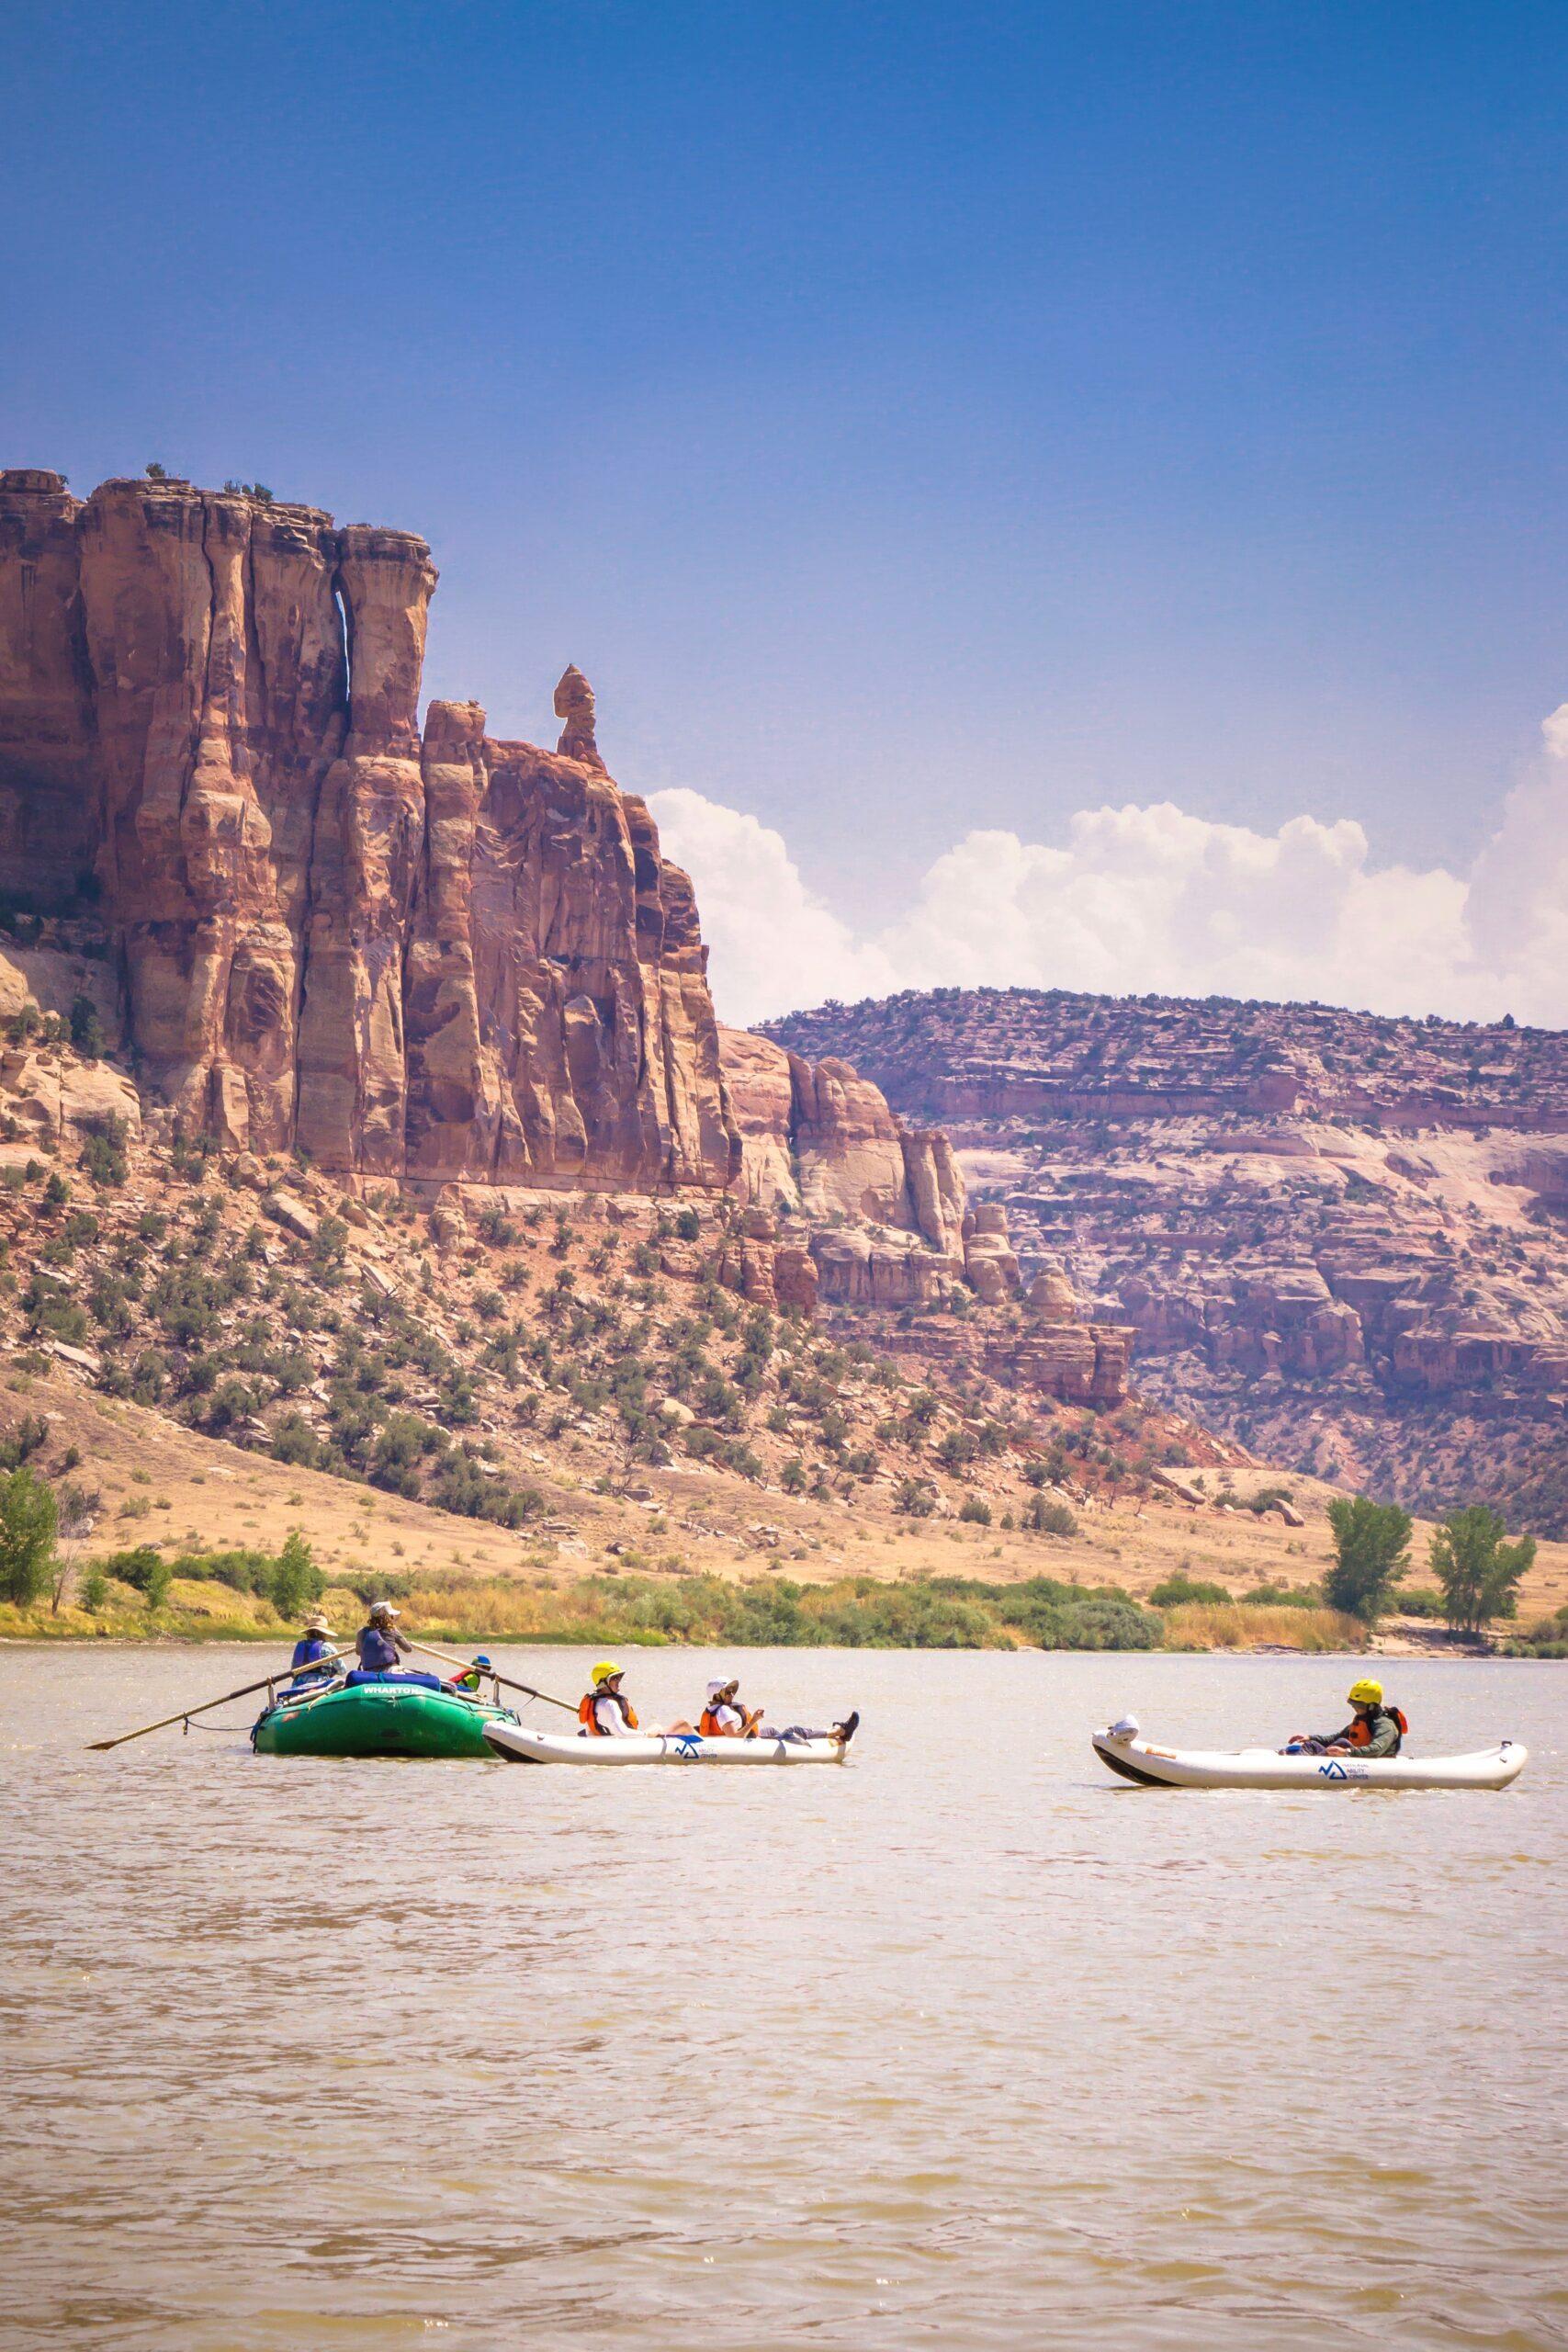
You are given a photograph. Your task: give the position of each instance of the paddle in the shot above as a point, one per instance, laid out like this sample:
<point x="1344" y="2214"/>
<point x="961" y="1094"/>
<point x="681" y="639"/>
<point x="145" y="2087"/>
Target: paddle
<point x="283" y="1674"/>
<point x="526" y="1688"/>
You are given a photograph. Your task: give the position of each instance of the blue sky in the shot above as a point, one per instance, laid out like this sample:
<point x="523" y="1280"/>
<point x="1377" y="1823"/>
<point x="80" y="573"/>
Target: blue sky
<point x="913" y="419"/>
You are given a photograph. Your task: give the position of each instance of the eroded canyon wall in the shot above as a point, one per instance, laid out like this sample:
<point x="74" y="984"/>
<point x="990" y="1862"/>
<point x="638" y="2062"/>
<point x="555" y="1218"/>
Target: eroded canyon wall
<point x="426" y="955"/>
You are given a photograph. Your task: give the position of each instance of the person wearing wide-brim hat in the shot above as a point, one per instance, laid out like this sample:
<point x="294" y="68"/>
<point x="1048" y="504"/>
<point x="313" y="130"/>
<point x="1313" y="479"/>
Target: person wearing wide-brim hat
<point x="314" y="1649"/>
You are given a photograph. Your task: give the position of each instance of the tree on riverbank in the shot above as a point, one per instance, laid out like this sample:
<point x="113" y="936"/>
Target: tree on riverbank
<point x="28" y="1517"/>
<point x="1478" y="1569"/>
<point x="1372" y="1552"/>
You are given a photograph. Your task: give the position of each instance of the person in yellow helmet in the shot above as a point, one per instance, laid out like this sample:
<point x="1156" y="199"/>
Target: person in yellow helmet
<point x="1374" y="1730"/>
<point x="605" y="1711"/>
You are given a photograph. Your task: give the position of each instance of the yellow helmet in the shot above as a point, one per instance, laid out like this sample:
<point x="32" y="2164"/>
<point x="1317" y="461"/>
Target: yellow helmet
<point x="1366" y="1694"/>
<point x="605" y="1671"/>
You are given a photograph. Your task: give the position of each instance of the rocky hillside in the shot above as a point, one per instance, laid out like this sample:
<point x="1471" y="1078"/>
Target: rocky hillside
<point x="1339" y="1238"/>
<point x="595" y="1378"/>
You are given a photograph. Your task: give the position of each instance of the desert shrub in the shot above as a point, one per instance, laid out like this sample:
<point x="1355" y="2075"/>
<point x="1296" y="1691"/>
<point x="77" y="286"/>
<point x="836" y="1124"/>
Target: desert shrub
<point x="1179" y="1588"/>
<point x="86" y="1029"/>
<point x="30" y="1434"/>
<point x="53" y="1313"/>
<point x="1057" y="1616"/>
<point x="1044" y="1515"/>
<point x="975" y="1512"/>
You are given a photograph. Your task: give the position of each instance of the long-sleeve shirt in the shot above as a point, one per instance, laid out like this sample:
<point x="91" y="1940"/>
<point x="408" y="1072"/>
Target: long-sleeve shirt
<point x="1385" y="1740"/>
<point x="610" y="1720"/>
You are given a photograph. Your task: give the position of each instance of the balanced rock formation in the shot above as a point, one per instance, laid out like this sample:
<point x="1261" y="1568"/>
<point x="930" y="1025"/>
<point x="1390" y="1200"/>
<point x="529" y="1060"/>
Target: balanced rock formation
<point x="410" y="955"/>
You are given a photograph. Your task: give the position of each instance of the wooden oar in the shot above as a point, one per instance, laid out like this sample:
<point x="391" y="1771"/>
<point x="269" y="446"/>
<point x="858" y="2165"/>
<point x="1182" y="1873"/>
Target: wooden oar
<point x="283" y="1674"/>
<point x="526" y="1688"/>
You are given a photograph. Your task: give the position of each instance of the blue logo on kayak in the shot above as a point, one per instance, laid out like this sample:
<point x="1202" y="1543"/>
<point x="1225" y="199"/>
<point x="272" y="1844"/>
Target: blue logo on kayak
<point x="1332" y="1772"/>
<point x="689" y="1748"/>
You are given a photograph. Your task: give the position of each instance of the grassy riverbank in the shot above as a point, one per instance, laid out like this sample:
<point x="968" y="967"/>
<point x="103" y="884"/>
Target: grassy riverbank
<point x="851" y="1613"/>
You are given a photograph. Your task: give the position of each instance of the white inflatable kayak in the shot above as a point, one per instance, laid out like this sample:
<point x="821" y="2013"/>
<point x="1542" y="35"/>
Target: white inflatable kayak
<point x="1136" y="1759"/>
<point x="518" y="1745"/>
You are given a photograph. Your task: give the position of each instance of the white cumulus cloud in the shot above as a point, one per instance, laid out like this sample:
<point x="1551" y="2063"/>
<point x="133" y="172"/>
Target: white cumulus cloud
<point x="1141" y="898"/>
<point x="774" y="944"/>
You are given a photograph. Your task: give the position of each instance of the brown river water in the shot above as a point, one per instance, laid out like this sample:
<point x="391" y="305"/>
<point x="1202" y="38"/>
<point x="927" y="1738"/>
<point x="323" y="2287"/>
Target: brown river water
<point x="966" y="2044"/>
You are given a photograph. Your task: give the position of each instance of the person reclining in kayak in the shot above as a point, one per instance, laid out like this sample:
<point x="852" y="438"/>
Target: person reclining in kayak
<point x="726" y="1716"/>
<point x="605" y="1713"/>
<point x="314" y="1648"/>
<point x="1374" y="1730"/>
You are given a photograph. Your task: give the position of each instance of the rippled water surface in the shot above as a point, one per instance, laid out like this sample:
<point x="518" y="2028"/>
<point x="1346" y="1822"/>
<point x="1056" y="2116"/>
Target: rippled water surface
<point x="965" y="2044"/>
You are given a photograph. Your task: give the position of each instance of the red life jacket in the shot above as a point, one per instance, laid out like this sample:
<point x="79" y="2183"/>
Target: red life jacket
<point x="590" y="1721"/>
<point x="1360" y="1732"/>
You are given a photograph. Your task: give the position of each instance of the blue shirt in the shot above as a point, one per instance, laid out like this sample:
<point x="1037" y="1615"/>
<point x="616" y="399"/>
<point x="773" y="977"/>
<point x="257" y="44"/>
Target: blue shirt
<point x="308" y="1650"/>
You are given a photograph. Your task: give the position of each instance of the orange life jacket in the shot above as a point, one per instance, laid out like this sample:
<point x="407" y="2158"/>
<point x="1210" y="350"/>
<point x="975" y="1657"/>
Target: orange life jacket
<point x="590" y="1721"/>
<point x="711" y="1728"/>
<point x="1360" y="1732"/>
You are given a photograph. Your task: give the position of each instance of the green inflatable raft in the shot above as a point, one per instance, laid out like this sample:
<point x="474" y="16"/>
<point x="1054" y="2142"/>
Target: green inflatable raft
<point x="377" y="1719"/>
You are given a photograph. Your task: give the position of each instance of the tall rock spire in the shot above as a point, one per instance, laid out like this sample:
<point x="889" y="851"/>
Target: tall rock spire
<point x="574" y="702"/>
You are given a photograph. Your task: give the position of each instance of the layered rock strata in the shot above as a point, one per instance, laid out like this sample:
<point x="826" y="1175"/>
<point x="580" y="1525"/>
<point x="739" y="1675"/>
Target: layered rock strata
<point x="427" y="955"/>
<point x="1338" y="1238"/>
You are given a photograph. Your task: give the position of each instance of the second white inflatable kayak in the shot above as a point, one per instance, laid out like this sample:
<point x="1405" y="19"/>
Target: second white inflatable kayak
<point x="1136" y="1759"/>
<point x="522" y="1745"/>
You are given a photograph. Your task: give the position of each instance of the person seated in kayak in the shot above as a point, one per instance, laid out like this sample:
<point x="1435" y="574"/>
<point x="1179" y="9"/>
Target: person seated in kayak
<point x="470" y="1675"/>
<point x="314" y="1648"/>
<point x="605" y="1713"/>
<point x="1374" y="1731"/>
<point x="724" y="1717"/>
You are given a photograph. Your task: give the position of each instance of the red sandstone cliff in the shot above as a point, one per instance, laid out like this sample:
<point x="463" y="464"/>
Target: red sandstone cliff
<point x="429" y="956"/>
<point x="423" y="955"/>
